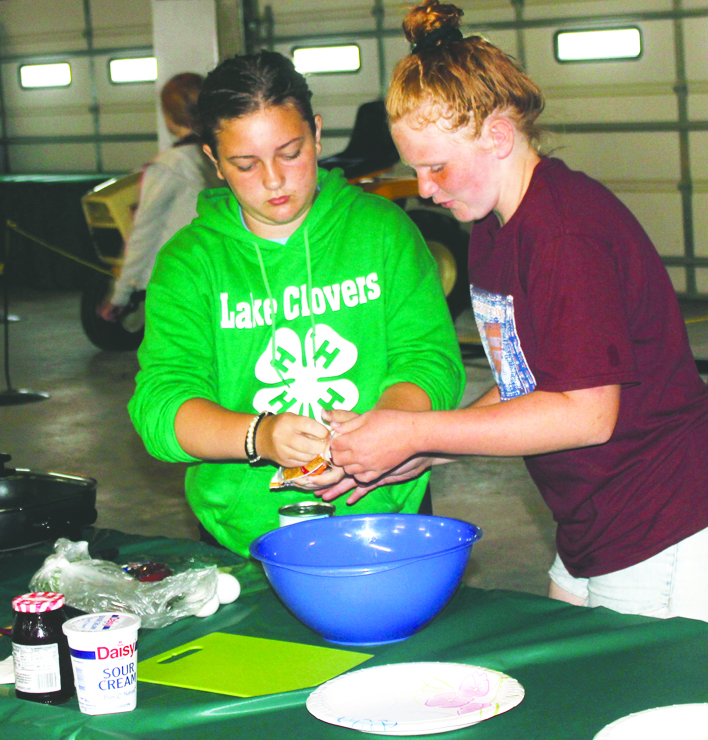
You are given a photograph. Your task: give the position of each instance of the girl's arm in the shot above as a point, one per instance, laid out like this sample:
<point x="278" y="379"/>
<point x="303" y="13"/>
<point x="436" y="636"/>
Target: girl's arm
<point x="404" y="397"/>
<point x="208" y="431"/>
<point x="536" y="423"/>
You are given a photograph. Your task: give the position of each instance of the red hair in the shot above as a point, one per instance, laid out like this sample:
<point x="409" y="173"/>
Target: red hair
<point x="459" y="81"/>
<point x="179" y="98"/>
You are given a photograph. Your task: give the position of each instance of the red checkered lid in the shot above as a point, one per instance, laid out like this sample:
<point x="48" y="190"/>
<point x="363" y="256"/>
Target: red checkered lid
<point x="42" y="601"/>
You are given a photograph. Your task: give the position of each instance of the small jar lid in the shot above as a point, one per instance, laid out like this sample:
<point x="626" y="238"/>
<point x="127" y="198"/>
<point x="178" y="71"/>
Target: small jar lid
<point x="41" y="601"/>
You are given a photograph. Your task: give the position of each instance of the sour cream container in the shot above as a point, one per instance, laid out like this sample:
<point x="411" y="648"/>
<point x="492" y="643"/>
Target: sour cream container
<point x="104" y="658"/>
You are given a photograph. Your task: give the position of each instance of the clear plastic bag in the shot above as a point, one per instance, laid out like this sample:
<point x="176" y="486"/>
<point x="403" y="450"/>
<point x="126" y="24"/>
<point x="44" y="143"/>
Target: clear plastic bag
<point x="99" y="585"/>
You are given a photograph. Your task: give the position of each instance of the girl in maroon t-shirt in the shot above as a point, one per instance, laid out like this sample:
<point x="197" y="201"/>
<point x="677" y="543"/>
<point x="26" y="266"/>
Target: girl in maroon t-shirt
<point x="596" y="386"/>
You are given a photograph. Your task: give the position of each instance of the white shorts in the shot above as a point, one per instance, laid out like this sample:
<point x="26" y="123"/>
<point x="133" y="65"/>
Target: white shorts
<point x="673" y="583"/>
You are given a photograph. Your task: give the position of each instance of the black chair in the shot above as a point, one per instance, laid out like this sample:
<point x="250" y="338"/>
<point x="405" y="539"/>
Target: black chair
<point x="371" y="148"/>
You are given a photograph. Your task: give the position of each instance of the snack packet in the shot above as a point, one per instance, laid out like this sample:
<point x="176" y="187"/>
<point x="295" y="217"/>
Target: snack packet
<point x="287" y="477"/>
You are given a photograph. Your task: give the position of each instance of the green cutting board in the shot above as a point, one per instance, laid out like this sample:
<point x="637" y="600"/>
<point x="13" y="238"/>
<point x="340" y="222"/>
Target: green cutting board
<point x="246" y="666"/>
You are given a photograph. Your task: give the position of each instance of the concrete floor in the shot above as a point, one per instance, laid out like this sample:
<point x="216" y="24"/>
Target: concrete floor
<point x="83" y="429"/>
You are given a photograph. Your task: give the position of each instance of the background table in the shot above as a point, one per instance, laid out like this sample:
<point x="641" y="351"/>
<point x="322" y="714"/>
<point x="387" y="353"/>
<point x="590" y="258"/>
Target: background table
<point x="581" y="668"/>
<point x="49" y="208"/>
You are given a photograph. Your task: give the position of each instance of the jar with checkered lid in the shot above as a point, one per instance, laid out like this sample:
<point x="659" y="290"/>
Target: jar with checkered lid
<point x="40" y="650"/>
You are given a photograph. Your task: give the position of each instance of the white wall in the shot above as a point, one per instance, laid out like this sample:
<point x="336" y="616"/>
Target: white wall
<point x="643" y="168"/>
<point x="184" y="40"/>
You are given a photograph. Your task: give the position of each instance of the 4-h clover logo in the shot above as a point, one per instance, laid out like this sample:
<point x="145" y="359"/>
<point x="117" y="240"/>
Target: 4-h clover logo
<point x="304" y="376"/>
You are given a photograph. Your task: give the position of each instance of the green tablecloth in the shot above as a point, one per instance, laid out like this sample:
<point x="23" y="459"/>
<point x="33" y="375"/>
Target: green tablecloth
<point x="581" y="668"/>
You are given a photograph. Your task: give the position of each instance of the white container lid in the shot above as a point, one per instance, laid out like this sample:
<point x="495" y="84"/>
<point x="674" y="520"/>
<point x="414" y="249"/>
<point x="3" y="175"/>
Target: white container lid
<point x="97" y="625"/>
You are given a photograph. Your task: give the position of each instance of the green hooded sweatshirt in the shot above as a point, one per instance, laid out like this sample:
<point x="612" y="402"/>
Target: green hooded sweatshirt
<point x="352" y="303"/>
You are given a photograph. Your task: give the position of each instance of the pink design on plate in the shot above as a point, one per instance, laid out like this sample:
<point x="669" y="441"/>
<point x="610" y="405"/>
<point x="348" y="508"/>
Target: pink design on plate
<point x="475" y="686"/>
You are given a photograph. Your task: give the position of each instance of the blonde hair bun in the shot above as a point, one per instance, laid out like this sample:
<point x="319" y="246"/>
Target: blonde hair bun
<point x="429" y="17"/>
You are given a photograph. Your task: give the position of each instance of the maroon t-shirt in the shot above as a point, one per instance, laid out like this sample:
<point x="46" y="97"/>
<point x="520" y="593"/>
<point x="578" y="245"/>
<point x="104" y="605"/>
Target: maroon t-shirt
<point x="572" y="294"/>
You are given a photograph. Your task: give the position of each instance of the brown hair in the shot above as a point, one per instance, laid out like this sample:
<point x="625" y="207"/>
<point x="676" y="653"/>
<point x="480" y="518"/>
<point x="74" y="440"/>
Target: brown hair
<point x="459" y="80"/>
<point x="179" y="98"/>
<point x="248" y="83"/>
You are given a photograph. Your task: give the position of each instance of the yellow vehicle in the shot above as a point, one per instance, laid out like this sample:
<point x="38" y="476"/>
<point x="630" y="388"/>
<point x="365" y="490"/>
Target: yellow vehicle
<point x="109" y="210"/>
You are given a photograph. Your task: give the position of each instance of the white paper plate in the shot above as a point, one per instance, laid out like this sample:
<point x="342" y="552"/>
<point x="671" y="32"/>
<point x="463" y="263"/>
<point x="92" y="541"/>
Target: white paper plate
<point x="684" y="721"/>
<point x="414" y="698"/>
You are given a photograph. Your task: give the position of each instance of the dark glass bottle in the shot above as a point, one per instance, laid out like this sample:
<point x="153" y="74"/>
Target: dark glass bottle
<point x="40" y="649"/>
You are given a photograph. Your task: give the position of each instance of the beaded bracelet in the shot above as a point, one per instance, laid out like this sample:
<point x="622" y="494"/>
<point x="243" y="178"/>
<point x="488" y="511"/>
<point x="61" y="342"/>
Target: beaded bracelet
<point x="251" y="455"/>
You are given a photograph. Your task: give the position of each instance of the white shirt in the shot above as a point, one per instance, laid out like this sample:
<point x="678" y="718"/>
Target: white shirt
<point x="168" y="201"/>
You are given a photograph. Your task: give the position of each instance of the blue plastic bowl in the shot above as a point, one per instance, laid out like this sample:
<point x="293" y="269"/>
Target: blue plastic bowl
<point x="368" y="579"/>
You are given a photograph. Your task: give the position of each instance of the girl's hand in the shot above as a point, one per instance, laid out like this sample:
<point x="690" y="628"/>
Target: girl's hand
<point x="290" y="440"/>
<point x="410" y="469"/>
<point x="372" y="444"/>
<point x="324" y="480"/>
<point x="108" y="312"/>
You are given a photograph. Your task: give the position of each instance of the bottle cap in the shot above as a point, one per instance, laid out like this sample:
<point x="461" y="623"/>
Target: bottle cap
<point x="42" y="601"/>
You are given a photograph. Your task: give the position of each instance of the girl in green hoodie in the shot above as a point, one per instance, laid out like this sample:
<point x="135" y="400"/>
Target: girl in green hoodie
<point x="291" y="293"/>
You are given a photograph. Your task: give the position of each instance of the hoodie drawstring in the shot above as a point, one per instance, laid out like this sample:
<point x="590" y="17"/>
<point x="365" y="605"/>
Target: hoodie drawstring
<point x="272" y="314"/>
<point x="308" y="262"/>
<point x="309" y="292"/>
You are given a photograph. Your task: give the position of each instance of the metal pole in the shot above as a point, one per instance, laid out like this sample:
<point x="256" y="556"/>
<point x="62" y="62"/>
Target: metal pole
<point x="6" y="308"/>
<point x="686" y="183"/>
<point x="577" y="21"/>
<point x="268" y="27"/>
<point x="379" y="13"/>
<point x="94" y="109"/>
<point x="518" y="6"/>
<point x="251" y="25"/>
<point x="11" y="396"/>
<point x="5" y="166"/>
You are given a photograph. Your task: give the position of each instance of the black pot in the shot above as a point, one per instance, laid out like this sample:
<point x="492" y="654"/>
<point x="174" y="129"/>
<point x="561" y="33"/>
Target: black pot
<point x="37" y="506"/>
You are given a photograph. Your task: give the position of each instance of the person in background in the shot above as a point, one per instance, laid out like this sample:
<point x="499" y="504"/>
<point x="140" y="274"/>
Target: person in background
<point x="596" y="386"/>
<point x="170" y="185"/>
<point x="292" y="292"/>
